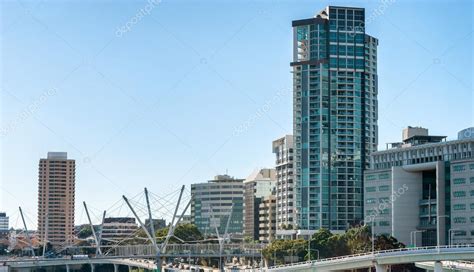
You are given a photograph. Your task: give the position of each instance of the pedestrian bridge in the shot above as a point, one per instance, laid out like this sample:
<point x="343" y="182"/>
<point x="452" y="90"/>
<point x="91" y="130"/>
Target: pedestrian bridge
<point x="383" y="259"/>
<point x="136" y="256"/>
<point x="29" y="264"/>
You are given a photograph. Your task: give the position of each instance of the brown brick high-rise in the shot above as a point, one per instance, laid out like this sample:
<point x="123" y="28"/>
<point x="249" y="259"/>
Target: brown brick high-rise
<point x="56" y="190"/>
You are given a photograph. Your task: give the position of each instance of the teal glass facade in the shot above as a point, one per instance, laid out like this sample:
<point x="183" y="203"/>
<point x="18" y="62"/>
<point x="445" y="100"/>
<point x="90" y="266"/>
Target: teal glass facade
<point x="335" y="116"/>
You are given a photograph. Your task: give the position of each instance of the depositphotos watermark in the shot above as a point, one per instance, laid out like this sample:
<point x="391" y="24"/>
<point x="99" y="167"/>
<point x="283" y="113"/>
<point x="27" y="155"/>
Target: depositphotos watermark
<point x="243" y="127"/>
<point x="385" y="204"/>
<point x="141" y="13"/>
<point x="377" y="12"/>
<point x="26" y="113"/>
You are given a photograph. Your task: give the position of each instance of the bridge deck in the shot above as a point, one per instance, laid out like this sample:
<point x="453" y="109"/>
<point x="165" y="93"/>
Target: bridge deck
<point x="386" y="257"/>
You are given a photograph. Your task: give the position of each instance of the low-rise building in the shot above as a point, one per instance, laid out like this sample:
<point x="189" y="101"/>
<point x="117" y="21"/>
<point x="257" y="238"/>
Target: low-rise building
<point x="421" y="190"/>
<point x="157" y="224"/>
<point x="115" y="229"/>
<point x="186" y="219"/>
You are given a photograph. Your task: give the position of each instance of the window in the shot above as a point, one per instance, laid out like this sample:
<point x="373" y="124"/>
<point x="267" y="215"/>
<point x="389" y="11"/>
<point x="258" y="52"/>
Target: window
<point x="384" y="176"/>
<point x="471" y="179"/>
<point x="459" y="181"/>
<point x="459" y="168"/>
<point x="384" y="223"/>
<point x="370" y="189"/>
<point x="371" y="200"/>
<point x="459" y="220"/>
<point x="384" y="188"/>
<point x="459" y="194"/>
<point x="459" y="207"/>
<point x="371" y="177"/>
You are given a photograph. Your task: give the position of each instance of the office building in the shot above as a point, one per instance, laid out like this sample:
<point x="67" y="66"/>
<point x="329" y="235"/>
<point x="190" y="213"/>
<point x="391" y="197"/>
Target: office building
<point x="260" y="184"/>
<point x="3" y="225"/>
<point x="115" y="229"/>
<point x="283" y="148"/>
<point x="267" y="219"/>
<point x="3" y="222"/>
<point x="334" y="116"/>
<point x="421" y="190"/>
<point x="56" y="200"/>
<point x="214" y="201"/>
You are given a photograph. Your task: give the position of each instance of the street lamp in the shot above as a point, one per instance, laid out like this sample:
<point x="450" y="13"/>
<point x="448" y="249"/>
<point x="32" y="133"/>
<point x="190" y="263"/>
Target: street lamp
<point x="450" y="234"/>
<point x="413" y="236"/>
<point x="373" y="235"/>
<point x="309" y="251"/>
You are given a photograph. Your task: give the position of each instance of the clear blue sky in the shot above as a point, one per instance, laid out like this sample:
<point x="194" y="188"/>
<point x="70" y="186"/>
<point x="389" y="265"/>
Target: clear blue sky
<point x="159" y="105"/>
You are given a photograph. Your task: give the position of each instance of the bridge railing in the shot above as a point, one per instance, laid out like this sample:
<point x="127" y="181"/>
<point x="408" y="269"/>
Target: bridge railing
<point x="376" y="253"/>
<point x="187" y="249"/>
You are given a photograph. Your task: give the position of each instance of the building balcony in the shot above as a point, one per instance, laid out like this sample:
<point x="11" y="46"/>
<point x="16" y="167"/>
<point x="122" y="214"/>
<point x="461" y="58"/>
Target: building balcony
<point x="426" y="226"/>
<point x="423" y="202"/>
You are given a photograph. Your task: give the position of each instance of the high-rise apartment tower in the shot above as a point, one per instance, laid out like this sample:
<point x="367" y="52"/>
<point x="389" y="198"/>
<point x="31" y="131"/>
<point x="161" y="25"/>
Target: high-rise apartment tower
<point x="56" y="192"/>
<point x="335" y="116"/>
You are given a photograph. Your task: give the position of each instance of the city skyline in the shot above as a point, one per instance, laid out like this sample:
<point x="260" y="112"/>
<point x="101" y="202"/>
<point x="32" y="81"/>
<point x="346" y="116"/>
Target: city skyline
<point x="113" y="161"/>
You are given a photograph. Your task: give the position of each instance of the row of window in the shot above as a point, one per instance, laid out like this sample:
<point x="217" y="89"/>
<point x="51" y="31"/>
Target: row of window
<point x="374" y="200"/>
<point x="462" y="167"/>
<point x="462" y="220"/>
<point x="462" y="180"/>
<point x="462" y="193"/>
<point x="382" y="188"/>
<point x="462" y="207"/>
<point x="379" y="176"/>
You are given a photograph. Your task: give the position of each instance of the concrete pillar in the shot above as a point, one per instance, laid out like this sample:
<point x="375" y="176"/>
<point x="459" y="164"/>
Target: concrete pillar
<point x="129" y="268"/>
<point x="380" y="268"/>
<point x="438" y="267"/>
<point x="115" y="267"/>
<point x="440" y="204"/>
<point x="92" y="267"/>
<point x="67" y="268"/>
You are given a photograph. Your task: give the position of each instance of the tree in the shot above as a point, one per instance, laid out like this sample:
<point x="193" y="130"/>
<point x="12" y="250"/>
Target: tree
<point x="320" y="242"/>
<point x="384" y="242"/>
<point x="359" y="239"/>
<point x="338" y="245"/>
<point x="186" y="232"/>
<point x="355" y="240"/>
<point x="324" y="244"/>
<point x="84" y="232"/>
<point x="279" y="249"/>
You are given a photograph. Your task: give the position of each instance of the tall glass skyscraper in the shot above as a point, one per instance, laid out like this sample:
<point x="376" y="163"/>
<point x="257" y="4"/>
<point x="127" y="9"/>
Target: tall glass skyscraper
<point x="334" y="116"/>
